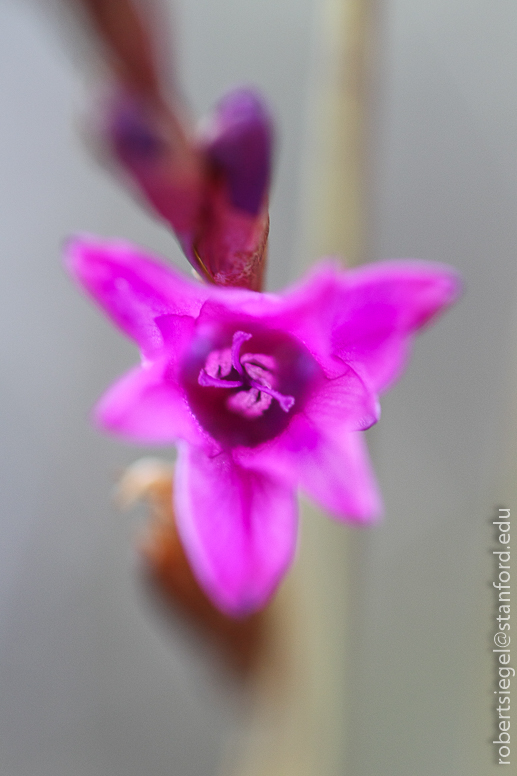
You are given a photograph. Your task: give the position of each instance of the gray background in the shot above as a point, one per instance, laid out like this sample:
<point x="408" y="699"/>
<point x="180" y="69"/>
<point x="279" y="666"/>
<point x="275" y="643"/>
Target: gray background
<point x="91" y="681"/>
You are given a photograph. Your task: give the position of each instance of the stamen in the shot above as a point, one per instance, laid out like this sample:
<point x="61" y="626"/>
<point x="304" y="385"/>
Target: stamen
<point x="239" y="338"/>
<point x="286" y="402"/>
<point x="257" y="378"/>
<point x="215" y="382"/>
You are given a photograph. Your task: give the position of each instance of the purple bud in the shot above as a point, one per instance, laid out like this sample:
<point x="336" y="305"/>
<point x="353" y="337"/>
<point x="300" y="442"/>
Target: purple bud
<point x="239" y="139"/>
<point x="134" y="137"/>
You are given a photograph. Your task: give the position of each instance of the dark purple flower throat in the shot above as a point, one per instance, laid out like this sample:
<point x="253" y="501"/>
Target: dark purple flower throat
<point x="245" y="390"/>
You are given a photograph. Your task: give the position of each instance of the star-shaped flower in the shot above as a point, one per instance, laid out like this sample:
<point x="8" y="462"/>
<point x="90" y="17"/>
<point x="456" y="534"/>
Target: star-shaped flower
<point x="262" y="393"/>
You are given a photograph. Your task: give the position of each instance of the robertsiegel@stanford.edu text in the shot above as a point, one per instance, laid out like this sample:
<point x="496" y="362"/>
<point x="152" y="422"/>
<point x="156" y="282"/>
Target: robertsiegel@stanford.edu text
<point x="502" y="638"/>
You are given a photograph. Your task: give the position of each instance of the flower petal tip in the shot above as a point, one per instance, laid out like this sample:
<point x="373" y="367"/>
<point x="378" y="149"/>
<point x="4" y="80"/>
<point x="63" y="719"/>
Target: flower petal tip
<point x="238" y="528"/>
<point x="366" y="511"/>
<point x="241" y="606"/>
<point x="371" y="516"/>
<point x="73" y="249"/>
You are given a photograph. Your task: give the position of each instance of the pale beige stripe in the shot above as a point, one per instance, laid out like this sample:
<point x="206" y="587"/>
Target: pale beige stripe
<point x="299" y="719"/>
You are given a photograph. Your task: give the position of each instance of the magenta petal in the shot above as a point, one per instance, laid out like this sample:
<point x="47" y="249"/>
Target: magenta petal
<point x="338" y="475"/>
<point x="331" y="466"/>
<point x="177" y="332"/>
<point x="382" y="306"/>
<point x="142" y="406"/>
<point x="307" y="312"/>
<point x="344" y="403"/>
<point x="132" y="288"/>
<point x="238" y="527"/>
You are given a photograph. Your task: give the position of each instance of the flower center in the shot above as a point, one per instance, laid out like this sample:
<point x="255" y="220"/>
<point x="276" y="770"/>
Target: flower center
<point x="253" y="373"/>
<point x="245" y="386"/>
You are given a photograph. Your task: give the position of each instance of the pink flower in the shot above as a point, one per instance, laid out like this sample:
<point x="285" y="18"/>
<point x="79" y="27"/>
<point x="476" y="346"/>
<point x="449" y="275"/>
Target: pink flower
<point x="263" y="393"/>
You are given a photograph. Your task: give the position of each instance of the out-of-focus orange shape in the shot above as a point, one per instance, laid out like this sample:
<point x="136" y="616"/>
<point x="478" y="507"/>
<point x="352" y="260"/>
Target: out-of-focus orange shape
<point x="241" y="642"/>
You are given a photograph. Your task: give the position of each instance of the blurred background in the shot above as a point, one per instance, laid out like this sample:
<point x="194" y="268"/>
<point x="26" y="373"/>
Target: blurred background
<point x="93" y="680"/>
